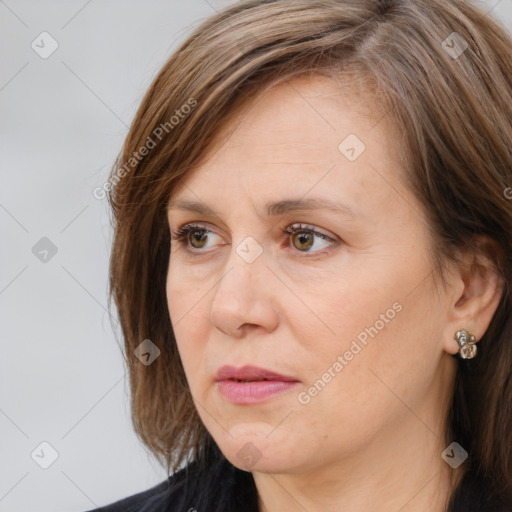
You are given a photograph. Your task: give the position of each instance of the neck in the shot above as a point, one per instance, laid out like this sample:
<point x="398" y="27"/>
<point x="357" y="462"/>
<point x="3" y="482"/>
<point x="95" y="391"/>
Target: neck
<point x="401" y="470"/>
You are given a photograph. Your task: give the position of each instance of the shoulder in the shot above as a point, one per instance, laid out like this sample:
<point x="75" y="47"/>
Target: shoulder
<point x="212" y="484"/>
<point x="156" y="499"/>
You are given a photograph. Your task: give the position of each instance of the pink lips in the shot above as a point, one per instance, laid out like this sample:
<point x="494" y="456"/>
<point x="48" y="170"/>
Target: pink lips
<point x="250" y="384"/>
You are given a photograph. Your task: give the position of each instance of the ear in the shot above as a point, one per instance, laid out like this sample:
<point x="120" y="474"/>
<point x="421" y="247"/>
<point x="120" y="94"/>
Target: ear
<point x="476" y="292"/>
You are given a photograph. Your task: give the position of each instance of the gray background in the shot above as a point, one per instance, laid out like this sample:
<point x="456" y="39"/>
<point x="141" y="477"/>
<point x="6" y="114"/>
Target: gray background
<point x="62" y="122"/>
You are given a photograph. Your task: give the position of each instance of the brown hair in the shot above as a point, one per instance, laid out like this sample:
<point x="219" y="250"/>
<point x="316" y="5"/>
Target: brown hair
<point x="452" y="103"/>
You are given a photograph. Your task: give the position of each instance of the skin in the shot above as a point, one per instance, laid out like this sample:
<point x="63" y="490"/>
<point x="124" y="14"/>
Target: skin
<point x="372" y="438"/>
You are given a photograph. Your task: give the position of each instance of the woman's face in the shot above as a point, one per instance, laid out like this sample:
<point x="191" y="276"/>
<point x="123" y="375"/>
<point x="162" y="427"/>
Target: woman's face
<point x="345" y="307"/>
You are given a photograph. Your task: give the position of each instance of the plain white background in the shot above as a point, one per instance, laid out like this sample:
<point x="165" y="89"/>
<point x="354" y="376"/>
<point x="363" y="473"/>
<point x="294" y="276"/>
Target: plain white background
<point x="62" y="122"/>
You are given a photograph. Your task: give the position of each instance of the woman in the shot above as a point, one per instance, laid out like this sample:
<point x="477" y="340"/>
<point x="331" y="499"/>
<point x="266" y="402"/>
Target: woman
<point x="312" y="260"/>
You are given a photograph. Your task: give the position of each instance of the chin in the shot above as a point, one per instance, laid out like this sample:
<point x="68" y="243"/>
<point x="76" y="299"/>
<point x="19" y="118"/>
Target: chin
<point x="252" y="448"/>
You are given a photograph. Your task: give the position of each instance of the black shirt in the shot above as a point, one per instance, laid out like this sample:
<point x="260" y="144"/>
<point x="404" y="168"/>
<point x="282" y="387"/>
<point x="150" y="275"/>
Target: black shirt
<point x="224" y="488"/>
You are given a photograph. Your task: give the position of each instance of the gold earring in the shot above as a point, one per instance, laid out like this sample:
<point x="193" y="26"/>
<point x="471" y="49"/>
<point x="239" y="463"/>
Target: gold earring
<point x="467" y="344"/>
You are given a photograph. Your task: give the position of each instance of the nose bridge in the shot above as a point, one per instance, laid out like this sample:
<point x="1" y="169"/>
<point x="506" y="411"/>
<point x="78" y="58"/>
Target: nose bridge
<point x="241" y="296"/>
<point x="246" y="261"/>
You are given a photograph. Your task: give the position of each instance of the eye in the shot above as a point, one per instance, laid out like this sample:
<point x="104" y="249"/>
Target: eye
<point x="195" y="237"/>
<point x="303" y="238"/>
<point x="195" y="234"/>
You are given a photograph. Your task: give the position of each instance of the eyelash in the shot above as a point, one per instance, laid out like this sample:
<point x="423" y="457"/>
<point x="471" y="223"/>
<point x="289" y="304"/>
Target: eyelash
<point x="181" y="234"/>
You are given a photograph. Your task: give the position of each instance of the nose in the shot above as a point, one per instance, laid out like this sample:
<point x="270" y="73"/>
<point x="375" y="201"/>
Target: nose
<point x="245" y="297"/>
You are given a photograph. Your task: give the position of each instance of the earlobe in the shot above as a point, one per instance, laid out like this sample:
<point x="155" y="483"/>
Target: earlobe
<point x="472" y="309"/>
<point x="467" y="343"/>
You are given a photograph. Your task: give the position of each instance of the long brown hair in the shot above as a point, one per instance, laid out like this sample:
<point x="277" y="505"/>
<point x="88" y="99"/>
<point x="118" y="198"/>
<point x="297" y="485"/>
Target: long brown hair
<point x="442" y="71"/>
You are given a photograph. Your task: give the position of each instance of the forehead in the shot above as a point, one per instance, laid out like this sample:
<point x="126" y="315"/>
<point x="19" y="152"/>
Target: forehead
<point x="308" y="133"/>
<point x="307" y="113"/>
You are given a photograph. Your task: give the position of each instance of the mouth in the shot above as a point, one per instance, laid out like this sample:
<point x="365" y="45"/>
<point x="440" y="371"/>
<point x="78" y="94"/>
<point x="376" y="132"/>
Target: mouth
<point x="252" y="380"/>
<point x="250" y="373"/>
<point x="251" y="384"/>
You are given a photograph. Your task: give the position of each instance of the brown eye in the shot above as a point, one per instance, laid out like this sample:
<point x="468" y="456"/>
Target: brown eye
<point x="192" y="236"/>
<point x="303" y="240"/>
<point x="198" y="237"/>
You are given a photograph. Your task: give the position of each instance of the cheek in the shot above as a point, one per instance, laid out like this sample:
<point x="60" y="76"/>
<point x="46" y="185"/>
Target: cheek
<point x="355" y="388"/>
<point x="351" y="308"/>
<point x="379" y="339"/>
<point x="189" y="316"/>
<point x="186" y="296"/>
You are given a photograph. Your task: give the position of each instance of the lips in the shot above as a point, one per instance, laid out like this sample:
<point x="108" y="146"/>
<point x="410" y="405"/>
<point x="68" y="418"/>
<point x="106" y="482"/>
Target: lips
<point x="251" y="385"/>
<point x="250" y="373"/>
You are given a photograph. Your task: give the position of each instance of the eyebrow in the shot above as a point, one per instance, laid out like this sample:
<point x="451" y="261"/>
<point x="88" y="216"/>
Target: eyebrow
<point x="273" y="209"/>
